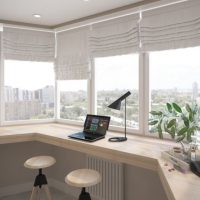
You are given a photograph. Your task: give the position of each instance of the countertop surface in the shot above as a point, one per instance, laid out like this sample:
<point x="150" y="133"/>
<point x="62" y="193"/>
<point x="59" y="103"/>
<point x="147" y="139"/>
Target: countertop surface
<point x="138" y="151"/>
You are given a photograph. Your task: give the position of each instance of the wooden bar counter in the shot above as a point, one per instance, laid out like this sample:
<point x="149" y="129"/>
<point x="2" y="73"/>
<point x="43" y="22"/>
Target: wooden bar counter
<point x="137" y="151"/>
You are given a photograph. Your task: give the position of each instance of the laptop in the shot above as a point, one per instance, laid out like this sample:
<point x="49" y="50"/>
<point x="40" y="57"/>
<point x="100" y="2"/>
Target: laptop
<point x="95" y="128"/>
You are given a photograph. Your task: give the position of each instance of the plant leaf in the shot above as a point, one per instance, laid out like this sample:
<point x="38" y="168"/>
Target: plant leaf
<point x="169" y="107"/>
<point x="182" y="131"/>
<point x="188" y="108"/>
<point x="190" y="132"/>
<point x="191" y="116"/>
<point x="160" y="131"/>
<point x="177" y="107"/>
<point x="154" y="122"/>
<point x="179" y="139"/>
<point x="171" y="123"/>
<point x="173" y="130"/>
<point x="186" y="121"/>
<point x="156" y="112"/>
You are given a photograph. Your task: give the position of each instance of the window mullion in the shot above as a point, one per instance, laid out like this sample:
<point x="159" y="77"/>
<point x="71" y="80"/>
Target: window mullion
<point x="141" y="92"/>
<point x="146" y="92"/>
<point x="57" y="101"/>
<point x="93" y="103"/>
<point x="2" y="106"/>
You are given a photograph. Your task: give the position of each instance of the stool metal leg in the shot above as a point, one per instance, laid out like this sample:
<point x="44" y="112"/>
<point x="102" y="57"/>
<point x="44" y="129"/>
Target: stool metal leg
<point x="47" y="191"/>
<point x="84" y="195"/>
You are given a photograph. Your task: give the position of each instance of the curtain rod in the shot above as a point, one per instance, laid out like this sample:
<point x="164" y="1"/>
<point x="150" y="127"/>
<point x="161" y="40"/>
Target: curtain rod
<point x="28" y="28"/>
<point x="122" y="15"/>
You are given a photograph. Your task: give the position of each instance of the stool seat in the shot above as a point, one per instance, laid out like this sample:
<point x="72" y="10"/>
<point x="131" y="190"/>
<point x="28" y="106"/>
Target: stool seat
<point x="39" y="162"/>
<point x="83" y="178"/>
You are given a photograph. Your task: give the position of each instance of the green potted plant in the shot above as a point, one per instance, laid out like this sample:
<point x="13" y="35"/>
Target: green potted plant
<point x="179" y="122"/>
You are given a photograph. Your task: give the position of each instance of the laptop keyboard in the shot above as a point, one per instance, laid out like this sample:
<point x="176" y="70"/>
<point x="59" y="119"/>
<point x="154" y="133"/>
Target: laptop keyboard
<point x="91" y="135"/>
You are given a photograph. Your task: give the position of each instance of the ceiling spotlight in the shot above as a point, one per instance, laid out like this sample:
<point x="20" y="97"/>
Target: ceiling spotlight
<point x="86" y="0"/>
<point x="36" y="15"/>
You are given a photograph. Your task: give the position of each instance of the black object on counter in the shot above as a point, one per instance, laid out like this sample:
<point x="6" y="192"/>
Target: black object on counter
<point x="195" y="167"/>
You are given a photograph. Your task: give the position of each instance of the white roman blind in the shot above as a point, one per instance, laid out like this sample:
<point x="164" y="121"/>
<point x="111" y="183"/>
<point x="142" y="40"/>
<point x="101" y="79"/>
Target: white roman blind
<point x="1" y="45"/>
<point x="72" y="61"/>
<point x="171" y="27"/>
<point x="115" y="37"/>
<point x="28" y="45"/>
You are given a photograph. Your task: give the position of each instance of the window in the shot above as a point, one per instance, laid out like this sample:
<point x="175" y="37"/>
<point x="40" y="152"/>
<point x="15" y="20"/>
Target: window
<point x="28" y="90"/>
<point x="174" y="77"/>
<point x="113" y="77"/>
<point x="73" y="99"/>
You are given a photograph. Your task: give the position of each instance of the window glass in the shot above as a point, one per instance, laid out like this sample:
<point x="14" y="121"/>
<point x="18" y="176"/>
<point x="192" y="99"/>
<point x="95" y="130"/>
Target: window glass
<point x="115" y="76"/>
<point x="28" y="90"/>
<point x="73" y="99"/>
<point x="174" y="77"/>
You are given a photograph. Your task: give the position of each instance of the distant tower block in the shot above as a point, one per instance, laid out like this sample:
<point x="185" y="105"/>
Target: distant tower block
<point x="194" y="90"/>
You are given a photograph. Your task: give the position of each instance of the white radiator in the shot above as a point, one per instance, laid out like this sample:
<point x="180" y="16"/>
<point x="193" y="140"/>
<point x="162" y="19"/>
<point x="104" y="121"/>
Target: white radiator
<point x="111" y="186"/>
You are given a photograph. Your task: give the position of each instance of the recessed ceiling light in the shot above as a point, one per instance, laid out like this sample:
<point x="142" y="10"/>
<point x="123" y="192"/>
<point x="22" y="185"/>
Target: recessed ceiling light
<point x="86" y="0"/>
<point x="36" y="15"/>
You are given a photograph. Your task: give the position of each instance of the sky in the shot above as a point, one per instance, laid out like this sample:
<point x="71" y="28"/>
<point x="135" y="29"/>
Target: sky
<point x="118" y="72"/>
<point x="175" y="68"/>
<point x="28" y="75"/>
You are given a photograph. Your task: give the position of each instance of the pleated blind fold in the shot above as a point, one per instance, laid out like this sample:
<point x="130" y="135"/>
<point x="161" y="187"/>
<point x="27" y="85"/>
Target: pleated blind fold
<point x="72" y="61"/>
<point x="29" y="45"/>
<point x="1" y="46"/>
<point x="114" y="37"/>
<point x="171" y="27"/>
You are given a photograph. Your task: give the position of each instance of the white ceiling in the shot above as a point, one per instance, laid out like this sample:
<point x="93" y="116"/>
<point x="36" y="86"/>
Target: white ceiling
<point x="55" y="12"/>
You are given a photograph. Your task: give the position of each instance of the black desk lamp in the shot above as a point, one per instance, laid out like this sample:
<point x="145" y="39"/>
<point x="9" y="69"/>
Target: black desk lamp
<point x="117" y="106"/>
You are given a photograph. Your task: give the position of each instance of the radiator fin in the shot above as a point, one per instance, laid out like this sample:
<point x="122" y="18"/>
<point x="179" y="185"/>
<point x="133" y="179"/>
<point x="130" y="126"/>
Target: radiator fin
<point x="111" y="186"/>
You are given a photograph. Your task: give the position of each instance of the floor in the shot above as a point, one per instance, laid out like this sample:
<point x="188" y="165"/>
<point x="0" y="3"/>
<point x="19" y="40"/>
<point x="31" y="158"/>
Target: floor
<point x="56" y="195"/>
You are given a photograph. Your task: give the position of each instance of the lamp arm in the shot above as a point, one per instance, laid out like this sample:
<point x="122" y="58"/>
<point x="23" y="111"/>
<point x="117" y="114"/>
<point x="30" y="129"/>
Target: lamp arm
<point x="124" y="96"/>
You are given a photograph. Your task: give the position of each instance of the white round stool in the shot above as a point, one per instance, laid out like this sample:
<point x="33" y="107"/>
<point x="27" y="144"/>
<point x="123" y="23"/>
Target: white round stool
<point x="40" y="162"/>
<point x="83" y="178"/>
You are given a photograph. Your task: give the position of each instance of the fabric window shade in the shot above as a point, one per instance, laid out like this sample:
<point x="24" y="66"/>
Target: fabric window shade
<point x="1" y="46"/>
<point x="28" y="45"/>
<point x="171" y="27"/>
<point x="115" y="37"/>
<point x="72" y="61"/>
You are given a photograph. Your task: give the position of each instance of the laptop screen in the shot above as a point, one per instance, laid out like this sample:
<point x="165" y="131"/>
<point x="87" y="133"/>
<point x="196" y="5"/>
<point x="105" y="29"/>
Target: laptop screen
<point x="96" y="124"/>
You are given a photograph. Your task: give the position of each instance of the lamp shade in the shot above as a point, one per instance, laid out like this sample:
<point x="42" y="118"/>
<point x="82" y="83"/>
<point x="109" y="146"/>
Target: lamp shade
<point x="117" y="104"/>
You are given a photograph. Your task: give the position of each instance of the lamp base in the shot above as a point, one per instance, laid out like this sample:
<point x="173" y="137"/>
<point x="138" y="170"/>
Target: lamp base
<point x="117" y="139"/>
